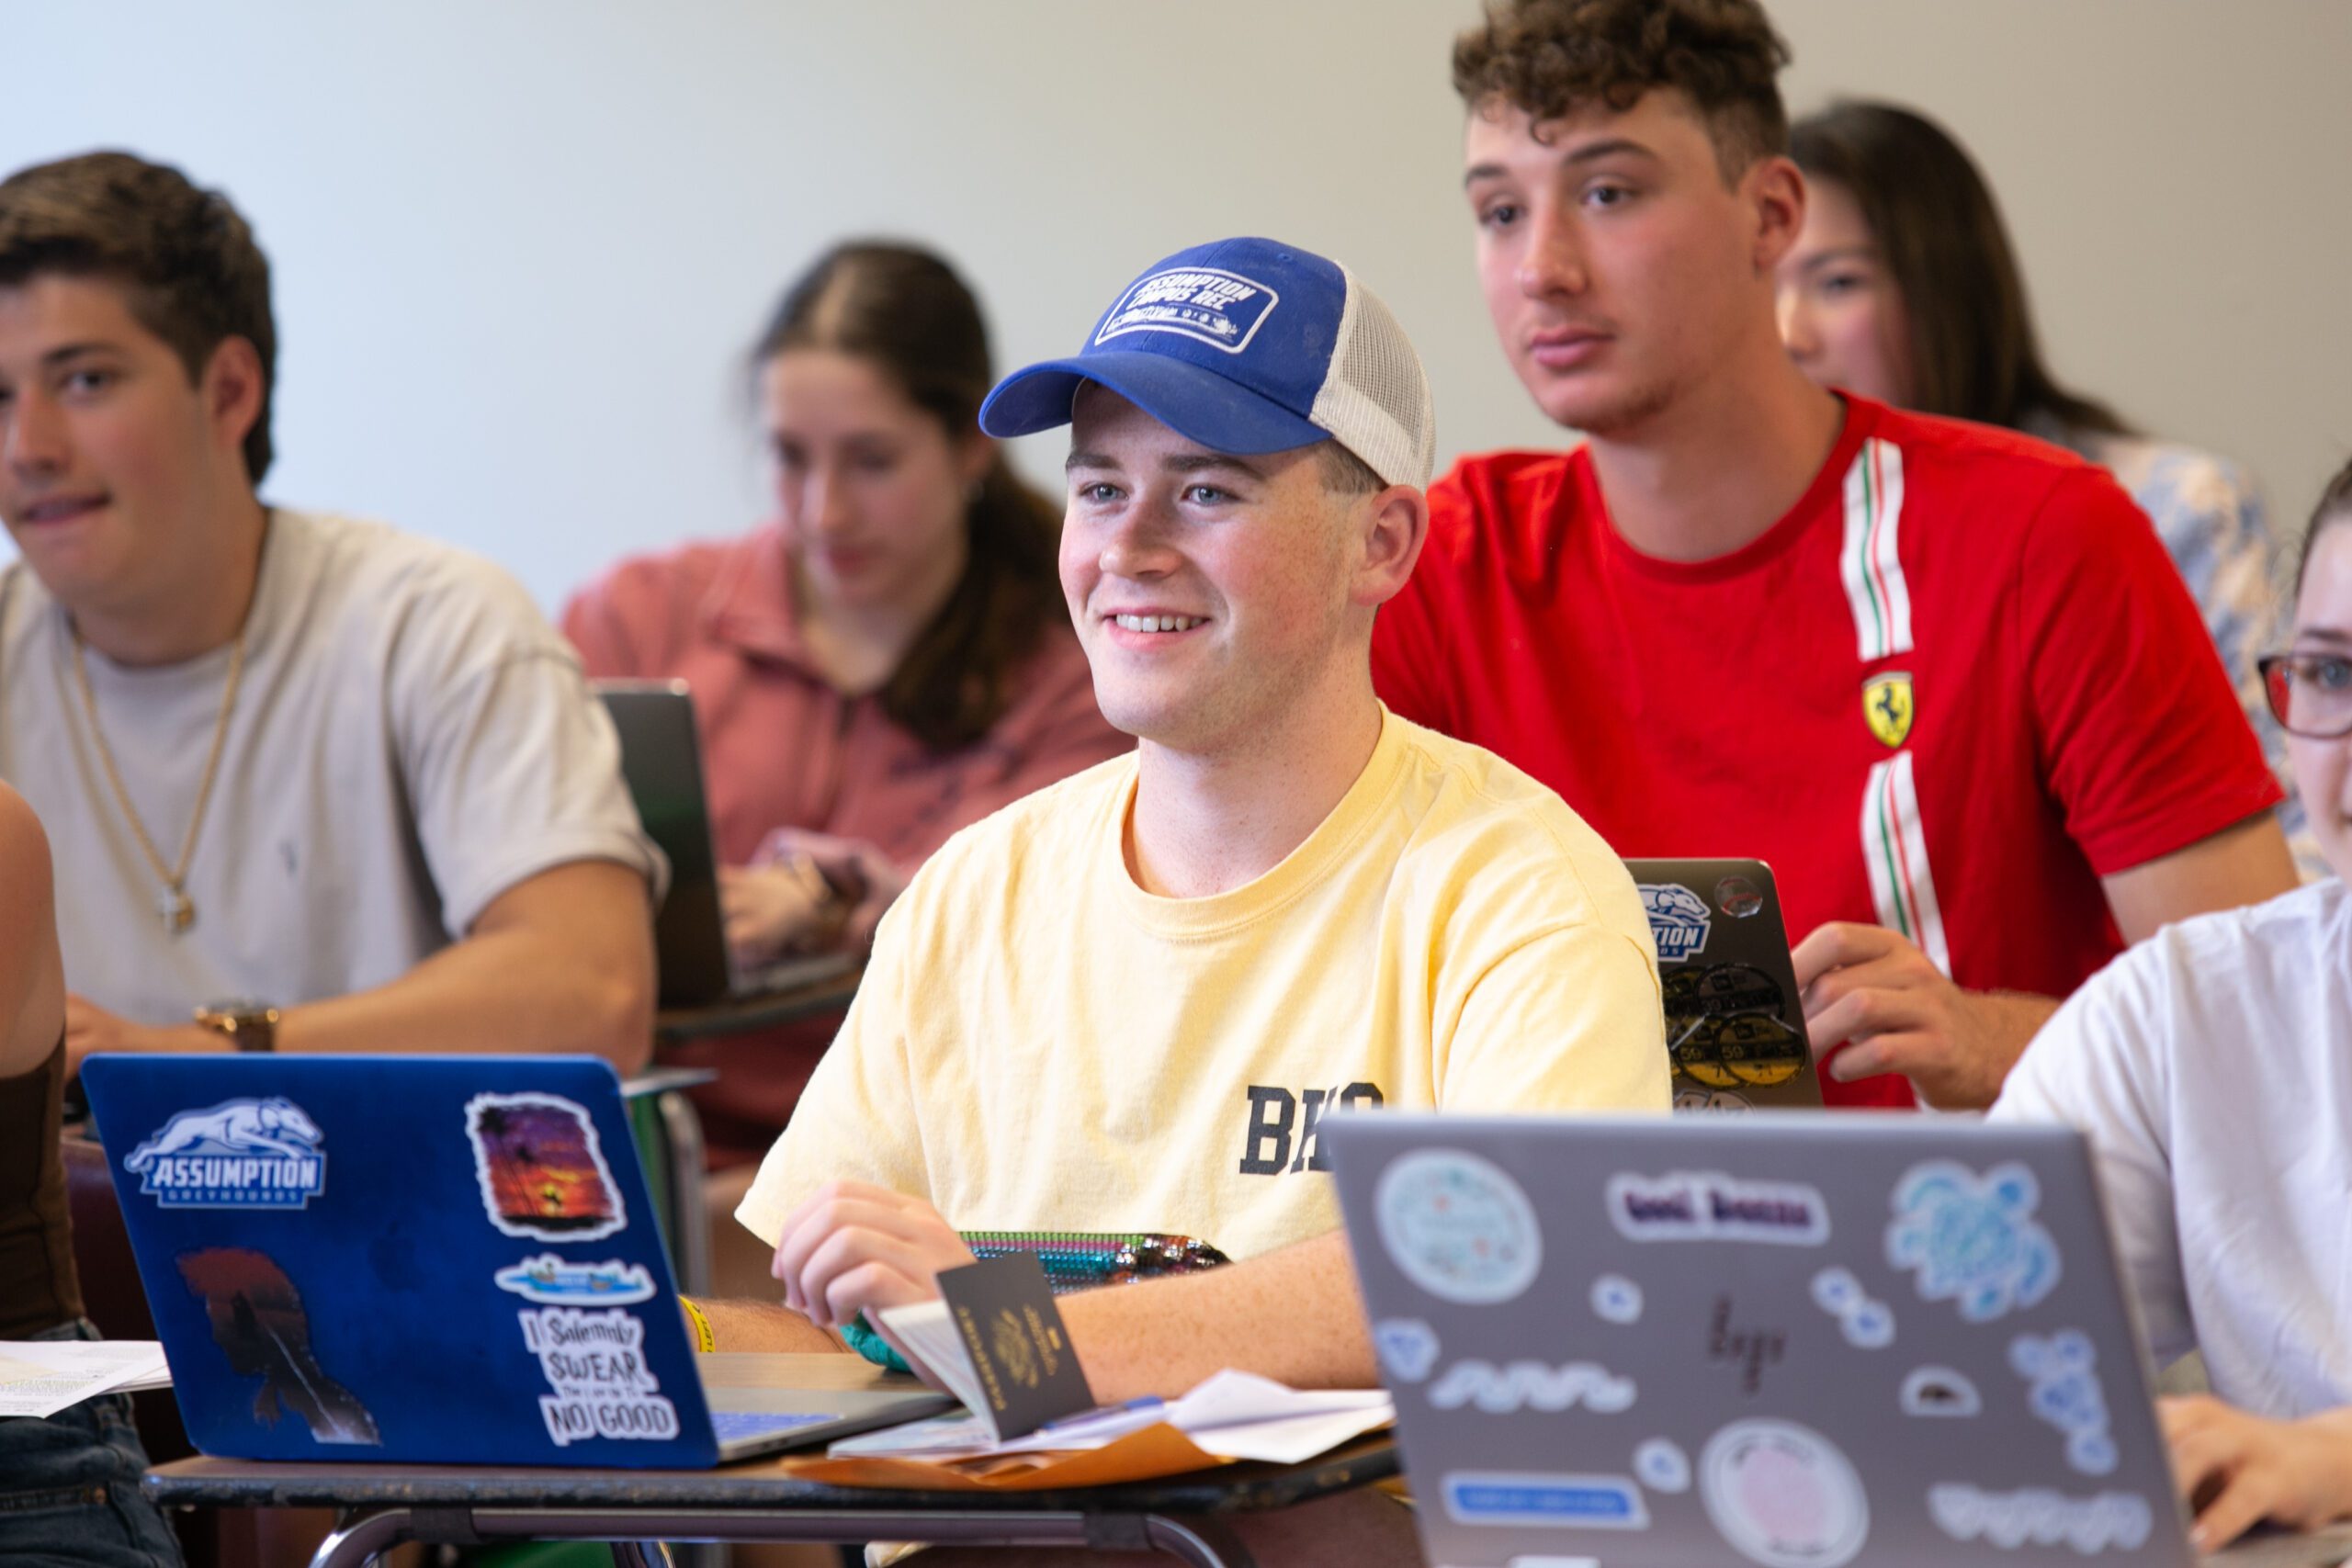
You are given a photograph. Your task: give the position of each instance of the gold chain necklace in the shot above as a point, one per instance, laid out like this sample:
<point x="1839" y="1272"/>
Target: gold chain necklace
<point x="173" y="905"/>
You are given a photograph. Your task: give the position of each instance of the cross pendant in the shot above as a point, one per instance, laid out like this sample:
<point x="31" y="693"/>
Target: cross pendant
<point x="173" y="908"/>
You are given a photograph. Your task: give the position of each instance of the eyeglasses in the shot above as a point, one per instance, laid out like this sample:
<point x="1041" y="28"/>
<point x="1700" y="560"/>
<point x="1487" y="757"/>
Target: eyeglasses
<point x="2310" y="693"/>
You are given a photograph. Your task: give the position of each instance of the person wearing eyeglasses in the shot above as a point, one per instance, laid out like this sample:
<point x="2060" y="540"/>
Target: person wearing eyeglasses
<point x="2210" y="1067"/>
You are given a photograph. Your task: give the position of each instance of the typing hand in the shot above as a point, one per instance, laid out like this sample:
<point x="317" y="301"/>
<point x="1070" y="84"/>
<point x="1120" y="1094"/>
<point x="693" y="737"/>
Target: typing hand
<point x="770" y="910"/>
<point x="1872" y="991"/>
<point x="863" y="879"/>
<point x="2237" y="1470"/>
<point x="89" y="1028"/>
<point x="851" y="1247"/>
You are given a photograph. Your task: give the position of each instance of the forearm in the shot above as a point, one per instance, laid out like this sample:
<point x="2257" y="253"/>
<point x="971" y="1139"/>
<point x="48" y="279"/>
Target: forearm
<point x="517" y="991"/>
<point x="1292" y="1316"/>
<point x="763" y="1326"/>
<point x="2002" y="1023"/>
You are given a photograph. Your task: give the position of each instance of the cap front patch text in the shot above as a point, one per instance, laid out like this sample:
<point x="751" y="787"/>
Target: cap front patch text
<point x="1206" y="304"/>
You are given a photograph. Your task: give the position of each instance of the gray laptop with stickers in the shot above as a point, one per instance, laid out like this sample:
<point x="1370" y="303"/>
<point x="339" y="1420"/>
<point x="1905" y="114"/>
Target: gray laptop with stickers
<point x="1734" y="1023"/>
<point x="1790" y="1341"/>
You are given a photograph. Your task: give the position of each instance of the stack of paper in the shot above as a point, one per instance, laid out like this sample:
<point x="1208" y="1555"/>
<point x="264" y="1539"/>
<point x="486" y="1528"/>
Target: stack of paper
<point x="41" y="1377"/>
<point x="1230" y="1416"/>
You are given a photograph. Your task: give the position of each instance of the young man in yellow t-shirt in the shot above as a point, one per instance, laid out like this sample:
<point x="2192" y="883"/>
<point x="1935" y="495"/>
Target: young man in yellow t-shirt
<point x="1126" y="1002"/>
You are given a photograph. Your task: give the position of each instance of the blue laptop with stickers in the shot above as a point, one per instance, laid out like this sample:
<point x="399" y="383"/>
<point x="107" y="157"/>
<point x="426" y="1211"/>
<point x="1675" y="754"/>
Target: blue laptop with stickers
<point x="448" y="1260"/>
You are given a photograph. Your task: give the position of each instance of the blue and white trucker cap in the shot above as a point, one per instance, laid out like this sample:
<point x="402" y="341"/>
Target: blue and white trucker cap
<point x="1246" y="346"/>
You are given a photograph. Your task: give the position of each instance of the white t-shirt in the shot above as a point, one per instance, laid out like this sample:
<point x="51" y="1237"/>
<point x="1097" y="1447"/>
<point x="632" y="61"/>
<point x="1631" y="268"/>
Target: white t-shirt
<point x="2212" y="1068"/>
<point x="410" y="739"/>
<point x="1040" y="1044"/>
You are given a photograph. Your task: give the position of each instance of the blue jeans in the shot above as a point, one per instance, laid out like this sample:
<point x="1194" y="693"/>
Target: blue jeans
<point x="69" y="1486"/>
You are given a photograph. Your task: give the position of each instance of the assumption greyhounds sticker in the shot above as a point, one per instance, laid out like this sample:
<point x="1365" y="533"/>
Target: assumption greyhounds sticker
<point x="1678" y="920"/>
<point x="241" y="1154"/>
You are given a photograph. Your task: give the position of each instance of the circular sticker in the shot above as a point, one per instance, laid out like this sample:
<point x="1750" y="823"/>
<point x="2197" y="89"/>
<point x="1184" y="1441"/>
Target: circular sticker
<point x="1458" y="1226"/>
<point x="1616" y="1299"/>
<point x="1738" y="897"/>
<point x="1661" y="1465"/>
<point x="1736" y="987"/>
<point x="1759" y="1050"/>
<point x="1783" y="1496"/>
<point x="1714" y="1102"/>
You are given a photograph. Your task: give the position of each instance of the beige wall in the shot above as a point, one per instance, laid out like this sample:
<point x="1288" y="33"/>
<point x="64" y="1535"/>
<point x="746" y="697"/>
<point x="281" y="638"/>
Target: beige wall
<point x="519" y="242"/>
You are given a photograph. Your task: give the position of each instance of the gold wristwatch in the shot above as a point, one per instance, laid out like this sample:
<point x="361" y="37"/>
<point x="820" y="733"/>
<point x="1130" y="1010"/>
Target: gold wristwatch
<point x="250" y="1026"/>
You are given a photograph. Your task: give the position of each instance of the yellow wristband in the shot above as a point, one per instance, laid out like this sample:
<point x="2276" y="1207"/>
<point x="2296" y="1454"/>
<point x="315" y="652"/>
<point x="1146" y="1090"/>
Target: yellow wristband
<point x="704" y="1340"/>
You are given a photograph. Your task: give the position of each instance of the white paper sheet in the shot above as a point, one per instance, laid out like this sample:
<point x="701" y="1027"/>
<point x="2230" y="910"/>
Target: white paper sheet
<point x="41" y="1377"/>
<point x="1231" y="1415"/>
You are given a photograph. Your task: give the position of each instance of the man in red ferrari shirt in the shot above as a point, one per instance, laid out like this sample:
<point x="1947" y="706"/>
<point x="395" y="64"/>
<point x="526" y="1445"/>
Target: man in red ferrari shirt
<point x="1943" y="677"/>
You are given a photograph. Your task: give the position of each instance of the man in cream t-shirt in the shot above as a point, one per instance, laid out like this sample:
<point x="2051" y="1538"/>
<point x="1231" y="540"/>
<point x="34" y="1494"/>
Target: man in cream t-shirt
<point x="1130" y="1000"/>
<point x="311" y="784"/>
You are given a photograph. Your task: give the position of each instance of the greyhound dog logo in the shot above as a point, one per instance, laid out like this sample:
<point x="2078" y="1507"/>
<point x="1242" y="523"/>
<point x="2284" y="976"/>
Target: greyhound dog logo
<point x="241" y="1154"/>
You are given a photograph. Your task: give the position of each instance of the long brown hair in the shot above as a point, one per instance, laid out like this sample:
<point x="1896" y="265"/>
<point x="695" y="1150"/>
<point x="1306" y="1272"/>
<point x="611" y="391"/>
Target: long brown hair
<point x="906" y="311"/>
<point x="1974" y="352"/>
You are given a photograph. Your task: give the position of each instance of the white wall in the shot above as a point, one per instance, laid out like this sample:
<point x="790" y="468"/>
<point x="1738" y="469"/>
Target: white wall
<point x="519" y="243"/>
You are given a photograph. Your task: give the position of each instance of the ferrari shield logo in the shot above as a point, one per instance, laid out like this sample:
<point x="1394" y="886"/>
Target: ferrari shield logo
<point x="1886" y="707"/>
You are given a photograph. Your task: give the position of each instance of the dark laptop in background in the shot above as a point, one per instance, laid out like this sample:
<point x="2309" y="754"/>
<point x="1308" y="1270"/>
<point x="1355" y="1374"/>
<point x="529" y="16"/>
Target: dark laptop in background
<point x="1734" y="1023"/>
<point x="442" y="1259"/>
<point x="662" y="759"/>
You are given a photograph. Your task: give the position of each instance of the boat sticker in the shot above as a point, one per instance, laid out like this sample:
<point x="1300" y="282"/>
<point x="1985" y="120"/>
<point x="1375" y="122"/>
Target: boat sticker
<point x="1678" y="920"/>
<point x="1868" y="1324"/>
<point x="595" y="1362"/>
<point x="1408" y="1348"/>
<point x="1939" y="1391"/>
<point x="2040" y="1516"/>
<point x="241" y="1154"/>
<point x="1783" y="1496"/>
<point x="553" y="1281"/>
<point x="1973" y="1239"/>
<point x="2061" y="1378"/>
<point x="1532" y="1386"/>
<point x="1707" y="1205"/>
<point x="260" y="1324"/>
<point x="1458" y="1226"/>
<point x="1616" y="1299"/>
<point x="541" y="1169"/>
<point x="1662" y="1466"/>
<point x="1515" y="1498"/>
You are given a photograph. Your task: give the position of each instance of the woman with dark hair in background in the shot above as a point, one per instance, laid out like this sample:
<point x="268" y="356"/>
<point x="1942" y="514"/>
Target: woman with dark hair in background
<point x="1903" y="287"/>
<point x="887" y="659"/>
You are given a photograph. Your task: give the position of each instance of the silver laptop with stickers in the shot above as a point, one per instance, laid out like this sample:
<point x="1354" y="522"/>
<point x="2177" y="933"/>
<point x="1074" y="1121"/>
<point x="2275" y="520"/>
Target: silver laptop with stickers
<point x="1784" y="1340"/>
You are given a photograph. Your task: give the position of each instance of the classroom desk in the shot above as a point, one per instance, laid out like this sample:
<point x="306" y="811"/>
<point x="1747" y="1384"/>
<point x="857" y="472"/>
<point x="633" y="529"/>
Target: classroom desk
<point x="636" y="1509"/>
<point x="765" y="1009"/>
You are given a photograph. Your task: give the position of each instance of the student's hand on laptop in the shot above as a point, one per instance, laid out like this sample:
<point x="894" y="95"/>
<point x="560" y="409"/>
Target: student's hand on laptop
<point x="90" y="1029"/>
<point x="851" y="1247"/>
<point x="2237" y="1470"/>
<point x="863" y="880"/>
<point x="1874" y="987"/>
<point x="770" y="910"/>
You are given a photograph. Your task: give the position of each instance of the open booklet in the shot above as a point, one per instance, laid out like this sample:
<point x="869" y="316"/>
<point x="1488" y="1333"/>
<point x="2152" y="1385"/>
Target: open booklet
<point x="1228" y="1416"/>
<point x="996" y="1340"/>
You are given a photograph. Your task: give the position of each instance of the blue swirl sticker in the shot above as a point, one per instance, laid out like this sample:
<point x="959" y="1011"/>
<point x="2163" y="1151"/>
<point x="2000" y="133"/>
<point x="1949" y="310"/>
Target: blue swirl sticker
<point x="1973" y="1240"/>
